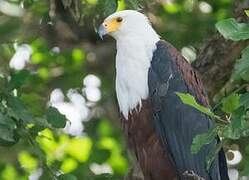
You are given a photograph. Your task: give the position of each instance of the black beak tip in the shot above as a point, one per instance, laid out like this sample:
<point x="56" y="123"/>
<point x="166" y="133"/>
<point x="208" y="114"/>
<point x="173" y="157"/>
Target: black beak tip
<point x="101" y="37"/>
<point x="101" y="31"/>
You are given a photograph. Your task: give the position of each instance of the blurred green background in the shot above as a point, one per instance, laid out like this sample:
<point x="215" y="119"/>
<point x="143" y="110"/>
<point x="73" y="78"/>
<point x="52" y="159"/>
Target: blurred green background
<point x="53" y="56"/>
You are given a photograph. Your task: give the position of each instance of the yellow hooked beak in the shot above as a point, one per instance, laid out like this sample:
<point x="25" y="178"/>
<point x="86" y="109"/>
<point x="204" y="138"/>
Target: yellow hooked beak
<point x="109" y="26"/>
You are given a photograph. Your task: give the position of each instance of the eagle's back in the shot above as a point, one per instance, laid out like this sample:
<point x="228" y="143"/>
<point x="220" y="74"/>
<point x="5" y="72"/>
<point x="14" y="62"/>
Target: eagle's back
<point x="176" y="123"/>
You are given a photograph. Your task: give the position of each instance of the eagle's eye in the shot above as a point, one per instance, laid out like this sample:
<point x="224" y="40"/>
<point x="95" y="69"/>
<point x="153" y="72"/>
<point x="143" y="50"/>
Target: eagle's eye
<point x="119" y="19"/>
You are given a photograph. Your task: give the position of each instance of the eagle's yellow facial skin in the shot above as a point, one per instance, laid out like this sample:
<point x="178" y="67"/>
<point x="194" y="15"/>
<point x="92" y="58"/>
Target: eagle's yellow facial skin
<point x="112" y="25"/>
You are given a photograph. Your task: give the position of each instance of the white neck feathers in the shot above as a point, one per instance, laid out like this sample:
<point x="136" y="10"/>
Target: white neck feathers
<point x="134" y="55"/>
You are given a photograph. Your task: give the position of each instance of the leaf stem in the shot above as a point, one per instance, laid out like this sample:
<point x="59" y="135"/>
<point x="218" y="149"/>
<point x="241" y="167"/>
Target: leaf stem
<point x="221" y="120"/>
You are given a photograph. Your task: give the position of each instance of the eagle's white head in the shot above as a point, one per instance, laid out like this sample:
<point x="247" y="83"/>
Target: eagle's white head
<point x="127" y="23"/>
<point x="136" y="42"/>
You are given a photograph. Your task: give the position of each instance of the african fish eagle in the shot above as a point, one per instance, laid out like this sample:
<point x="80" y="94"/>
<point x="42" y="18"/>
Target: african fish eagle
<point x="158" y="126"/>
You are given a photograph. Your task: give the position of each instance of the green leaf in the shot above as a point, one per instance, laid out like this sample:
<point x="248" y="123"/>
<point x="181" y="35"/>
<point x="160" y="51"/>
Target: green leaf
<point x="202" y="139"/>
<point x="232" y="30"/>
<point x="190" y="100"/>
<point x="100" y="156"/>
<point x="18" y="109"/>
<point x="239" y="126"/>
<point x="7" y="121"/>
<point x="212" y="155"/>
<point x="18" y="79"/>
<point x="67" y="177"/>
<point x="6" y="134"/>
<point x="55" y="118"/>
<point x="231" y="103"/>
<point x="231" y="133"/>
<point x="244" y="100"/>
<point x="241" y="69"/>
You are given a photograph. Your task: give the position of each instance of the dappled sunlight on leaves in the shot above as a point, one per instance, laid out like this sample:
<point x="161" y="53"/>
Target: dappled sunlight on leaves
<point x="9" y="173"/>
<point x="80" y="148"/>
<point x="28" y="162"/>
<point x="68" y="165"/>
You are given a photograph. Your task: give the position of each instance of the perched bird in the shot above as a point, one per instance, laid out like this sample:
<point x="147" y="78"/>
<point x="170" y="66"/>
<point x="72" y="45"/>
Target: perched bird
<point x="158" y="126"/>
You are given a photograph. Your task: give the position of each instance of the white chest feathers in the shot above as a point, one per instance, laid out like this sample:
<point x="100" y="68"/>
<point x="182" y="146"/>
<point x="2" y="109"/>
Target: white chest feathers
<point x="132" y="65"/>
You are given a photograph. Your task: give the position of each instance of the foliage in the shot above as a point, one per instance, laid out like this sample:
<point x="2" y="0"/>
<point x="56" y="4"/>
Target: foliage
<point x="15" y="116"/>
<point x="241" y="67"/>
<point x="56" y="119"/>
<point x="190" y="100"/>
<point x="231" y="103"/>
<point x="202" y="139"/>
<point x="230" y="29"/>
<point x="16" y="119"/>
<point x="234" y="107"/>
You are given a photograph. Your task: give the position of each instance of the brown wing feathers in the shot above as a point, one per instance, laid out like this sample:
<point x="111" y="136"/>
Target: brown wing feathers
<point x="190" y="76"/>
